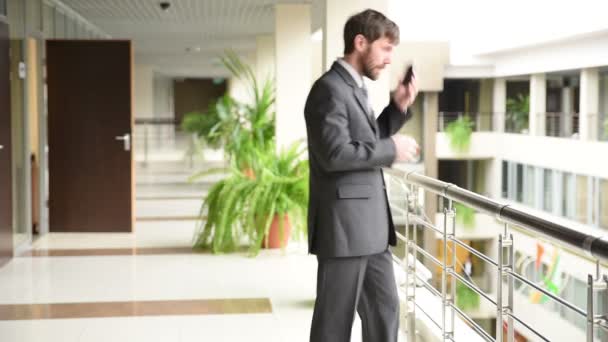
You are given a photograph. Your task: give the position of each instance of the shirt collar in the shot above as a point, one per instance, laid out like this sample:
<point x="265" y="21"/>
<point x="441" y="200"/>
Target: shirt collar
<point x="353" y="73"/>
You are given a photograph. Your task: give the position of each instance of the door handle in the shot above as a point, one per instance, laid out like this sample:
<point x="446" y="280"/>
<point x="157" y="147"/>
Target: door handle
<point x="126" y="139"/>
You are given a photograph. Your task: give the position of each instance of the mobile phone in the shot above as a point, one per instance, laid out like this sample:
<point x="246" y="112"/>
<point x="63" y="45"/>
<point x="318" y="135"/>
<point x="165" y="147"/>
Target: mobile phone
<point x="408" y="75"/>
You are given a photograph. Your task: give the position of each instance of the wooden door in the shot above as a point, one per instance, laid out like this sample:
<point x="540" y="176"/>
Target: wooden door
<point x="91" y="182"/>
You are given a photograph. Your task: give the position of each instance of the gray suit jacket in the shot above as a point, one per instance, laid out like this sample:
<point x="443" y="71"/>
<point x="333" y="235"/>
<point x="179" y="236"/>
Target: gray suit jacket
<point x="348" y="213"/>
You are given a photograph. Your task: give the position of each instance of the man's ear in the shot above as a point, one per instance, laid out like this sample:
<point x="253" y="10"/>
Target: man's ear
<point x="360" y="43"/>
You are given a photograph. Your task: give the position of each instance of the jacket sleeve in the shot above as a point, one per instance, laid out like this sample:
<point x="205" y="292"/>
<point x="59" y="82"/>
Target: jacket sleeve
<point x="329" y="136"/>
<point x="391" y="120"/>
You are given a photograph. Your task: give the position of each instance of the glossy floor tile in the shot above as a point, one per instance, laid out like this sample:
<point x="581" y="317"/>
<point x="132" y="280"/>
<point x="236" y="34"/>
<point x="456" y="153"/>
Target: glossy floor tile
<point x="152" y="279"/>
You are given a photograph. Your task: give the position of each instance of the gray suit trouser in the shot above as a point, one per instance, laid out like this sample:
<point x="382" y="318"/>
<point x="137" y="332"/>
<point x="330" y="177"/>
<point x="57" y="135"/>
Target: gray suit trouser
<point x="365" y="284"/>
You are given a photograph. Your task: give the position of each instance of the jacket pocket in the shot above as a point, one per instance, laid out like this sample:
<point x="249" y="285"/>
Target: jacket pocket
<point x="355" y="191"/>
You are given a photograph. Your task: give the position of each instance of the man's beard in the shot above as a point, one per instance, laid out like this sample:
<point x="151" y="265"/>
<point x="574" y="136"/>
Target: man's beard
<point x="369" y="67"/>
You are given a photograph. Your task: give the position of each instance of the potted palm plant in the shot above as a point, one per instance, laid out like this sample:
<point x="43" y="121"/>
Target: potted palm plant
<point x="256" y="130"/>
<point x="261" y="211"/>
<point x="214" y="125"/>
<point x="241" y="128"/>
<point x="459" y="132"/>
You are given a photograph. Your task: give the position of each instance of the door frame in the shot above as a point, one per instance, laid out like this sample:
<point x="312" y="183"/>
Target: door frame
<point x="22" y="218"/>
<point x="8" y="149"/>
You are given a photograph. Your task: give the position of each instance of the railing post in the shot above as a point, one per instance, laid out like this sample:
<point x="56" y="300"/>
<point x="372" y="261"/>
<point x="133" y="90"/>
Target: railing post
<point x="597" y="288"/>
<point x="602" y="314"/>
<point x="411" y="268"/>
<point x="510" y="285"/>
<point x="448" y="269"/>
<point x="590" y="311"/>
<point x="505" y="307"/>
<point x="499" y="329"/>
<point x="406" y="258"/>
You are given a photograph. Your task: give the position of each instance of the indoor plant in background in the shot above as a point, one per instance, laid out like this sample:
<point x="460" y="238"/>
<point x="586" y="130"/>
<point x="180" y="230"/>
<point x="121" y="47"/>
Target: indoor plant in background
<point x="256" y="128"/>
<point x="214" y="125"/>
<point x="465" y="215"/>
<point x="459" y="132"/>
<point x="260" y="211"/>
<point x="466" y="299"/>
<point x="209" y="129"/>
<point x="240" y="128"/>
<point x="265" y="194"/>
<point x="518" y="110"/>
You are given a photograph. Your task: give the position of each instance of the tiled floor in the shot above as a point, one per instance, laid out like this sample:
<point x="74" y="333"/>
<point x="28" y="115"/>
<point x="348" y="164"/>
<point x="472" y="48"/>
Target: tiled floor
<point x="150" y="265"/>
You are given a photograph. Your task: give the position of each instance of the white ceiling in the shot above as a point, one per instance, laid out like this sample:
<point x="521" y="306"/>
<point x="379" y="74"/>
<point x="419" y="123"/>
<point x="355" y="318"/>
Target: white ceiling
<point x="160" y="37"/>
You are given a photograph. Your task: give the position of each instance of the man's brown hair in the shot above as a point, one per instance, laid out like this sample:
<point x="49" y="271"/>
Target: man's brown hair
<point x="373" y="25"/>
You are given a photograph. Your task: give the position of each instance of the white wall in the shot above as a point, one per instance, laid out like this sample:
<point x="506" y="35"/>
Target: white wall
<point x="429" y="59"/>
<point x="265" y="58"/>
<point x="239" y="89"/>
<point x="293" y="58"/>
<point x="317" y="60"/>
<point x="144" y="91"/>
<point x="580" y="52"/>
<point x="577" y="156"/>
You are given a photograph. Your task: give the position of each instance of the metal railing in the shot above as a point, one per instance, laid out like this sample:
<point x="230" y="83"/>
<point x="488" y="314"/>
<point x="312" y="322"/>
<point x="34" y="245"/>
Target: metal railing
<point x="595" y="248"/>
<point x="514" y="123"/>
<point x="481" y="122"/>
<point x="160" y="135"/>
<point x="603" y="127"/>
<point x="564" y="125"/>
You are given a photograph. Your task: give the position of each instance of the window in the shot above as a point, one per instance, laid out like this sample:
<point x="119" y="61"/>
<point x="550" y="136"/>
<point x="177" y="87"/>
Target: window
<point x="505" y="179"/>
<point x="519" y="183"/>
<point x="547" y="190"/>
<point x="582" y="201"/>
<point x="603" y="205"/>
<point x="568" y="194"/>
<point x="575" y="292"/>
<point x="529" y="178"/>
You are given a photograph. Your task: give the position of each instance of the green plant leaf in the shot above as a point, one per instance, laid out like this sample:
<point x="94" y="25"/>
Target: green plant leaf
<point x="466" y="299"/>
<point x="459" y="132"/>
<point x="465" y="215"/>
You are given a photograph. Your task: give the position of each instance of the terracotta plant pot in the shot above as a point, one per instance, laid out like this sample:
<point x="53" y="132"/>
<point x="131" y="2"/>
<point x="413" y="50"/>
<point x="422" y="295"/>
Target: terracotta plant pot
<point x="273" y="240"/>
<point x="248" y="172"/>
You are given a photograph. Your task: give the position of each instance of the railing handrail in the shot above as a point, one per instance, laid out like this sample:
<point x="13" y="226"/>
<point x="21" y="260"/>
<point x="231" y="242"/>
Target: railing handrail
<point x="595" y="246"/>
<point x="157" y="121"/>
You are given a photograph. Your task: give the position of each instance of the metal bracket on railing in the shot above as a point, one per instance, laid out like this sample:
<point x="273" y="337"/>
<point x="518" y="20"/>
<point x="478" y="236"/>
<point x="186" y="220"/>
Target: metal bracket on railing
<point x="499" y="213"/>
<point x="504" y="307"/>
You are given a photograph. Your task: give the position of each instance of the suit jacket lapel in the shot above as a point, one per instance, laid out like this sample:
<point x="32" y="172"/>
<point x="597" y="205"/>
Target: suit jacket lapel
<point x="358" y="93"/>
<point x="364" y="106"/>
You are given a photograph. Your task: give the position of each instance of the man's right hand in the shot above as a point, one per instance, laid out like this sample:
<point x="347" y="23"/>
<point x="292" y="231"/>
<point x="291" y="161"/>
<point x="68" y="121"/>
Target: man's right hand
<point x="407" y="148"/>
